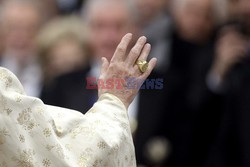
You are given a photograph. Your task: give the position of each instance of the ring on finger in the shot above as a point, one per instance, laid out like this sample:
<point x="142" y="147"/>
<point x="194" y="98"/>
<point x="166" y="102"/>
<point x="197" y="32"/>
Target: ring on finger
<point x="142" y="65"/>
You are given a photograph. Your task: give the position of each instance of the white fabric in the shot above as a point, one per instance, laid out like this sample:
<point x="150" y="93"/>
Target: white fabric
<point x="29" y="75"/>
<point x="34" y="134"/>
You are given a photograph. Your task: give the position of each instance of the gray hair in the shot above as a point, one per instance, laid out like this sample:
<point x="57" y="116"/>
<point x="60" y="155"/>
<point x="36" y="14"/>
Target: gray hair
<point x="219" y="8"/>
<point x="36" y="4"/>
<point x="129" y="5"/>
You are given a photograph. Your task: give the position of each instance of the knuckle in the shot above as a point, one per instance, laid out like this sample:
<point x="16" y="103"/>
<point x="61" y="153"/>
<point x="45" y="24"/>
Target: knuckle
<point x="121" y="49"/>
<point x="113" y="66"/>
<point x="120" y="69"/>
<point x="135" y="51"/>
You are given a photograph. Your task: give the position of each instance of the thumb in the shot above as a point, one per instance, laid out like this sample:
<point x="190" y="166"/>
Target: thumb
<point x="105" y="65"/>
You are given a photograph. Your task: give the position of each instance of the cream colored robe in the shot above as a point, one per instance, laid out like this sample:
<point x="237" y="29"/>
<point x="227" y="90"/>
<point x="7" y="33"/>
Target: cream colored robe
<point x="39" y="135"/>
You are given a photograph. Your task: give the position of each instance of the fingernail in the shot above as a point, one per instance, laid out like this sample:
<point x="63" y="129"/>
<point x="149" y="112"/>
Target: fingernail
<point x="143" y="38"/>
<point x="148" y="45"/>
<point x="129" y="34"/>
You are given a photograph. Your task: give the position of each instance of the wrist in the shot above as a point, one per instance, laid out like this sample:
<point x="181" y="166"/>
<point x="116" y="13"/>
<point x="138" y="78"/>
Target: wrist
<point x="121" y="100"/>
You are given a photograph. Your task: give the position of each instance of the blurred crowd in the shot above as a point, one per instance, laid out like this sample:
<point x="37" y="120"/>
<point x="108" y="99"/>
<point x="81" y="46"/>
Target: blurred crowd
<point x="201" y="117"/>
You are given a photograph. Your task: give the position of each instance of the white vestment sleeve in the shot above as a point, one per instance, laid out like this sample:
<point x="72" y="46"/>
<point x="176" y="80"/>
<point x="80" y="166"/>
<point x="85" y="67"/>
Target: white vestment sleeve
<point x="34" y="134"/>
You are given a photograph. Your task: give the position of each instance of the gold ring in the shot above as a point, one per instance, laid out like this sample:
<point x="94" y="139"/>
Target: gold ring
<point x="143" y="65"/>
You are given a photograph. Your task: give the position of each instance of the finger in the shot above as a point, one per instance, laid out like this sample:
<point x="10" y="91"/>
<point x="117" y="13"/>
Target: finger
<point x="151" y="66"/>
<point x="144" y="56"/>
<point x="136" y="51"/>
<point x="105" y="65"/>
<point x="145" y="52"/>
<point x="121" y="49"/>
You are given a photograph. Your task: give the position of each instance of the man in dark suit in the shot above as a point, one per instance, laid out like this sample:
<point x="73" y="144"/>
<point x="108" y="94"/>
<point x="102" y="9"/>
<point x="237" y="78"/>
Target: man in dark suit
<point x="232" y="145"/>
<point x="179" y="132"/>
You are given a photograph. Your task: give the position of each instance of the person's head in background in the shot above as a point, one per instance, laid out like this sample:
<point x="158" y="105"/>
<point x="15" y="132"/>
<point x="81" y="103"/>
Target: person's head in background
<point x="63" y="46"/>
<point x="150" y="9"/>
<point x="20" y="22"/>
<point x="243" y="11"/>
<point x="108" y="21"/>
<point x="194" y="19"/>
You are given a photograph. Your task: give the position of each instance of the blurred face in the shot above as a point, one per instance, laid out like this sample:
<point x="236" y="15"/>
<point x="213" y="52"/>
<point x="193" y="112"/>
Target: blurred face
<point x="20" y="27"/>
<point x="108" y="23"/>
<point x="150" y="8"/>
<point x="244" y="11"/>
<point x="194" y="20"/>
<point x="65" y="56"/>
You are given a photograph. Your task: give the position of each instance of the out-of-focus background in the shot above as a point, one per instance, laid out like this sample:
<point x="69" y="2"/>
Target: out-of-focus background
<point x="201" y="117"/>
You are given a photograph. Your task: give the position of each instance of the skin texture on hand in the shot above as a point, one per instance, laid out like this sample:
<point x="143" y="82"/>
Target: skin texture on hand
<point x="123" y="65"/>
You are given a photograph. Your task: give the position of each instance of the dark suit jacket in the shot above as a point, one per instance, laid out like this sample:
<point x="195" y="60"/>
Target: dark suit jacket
<point x="70" y="91"/>
<point x="232" y="146"/>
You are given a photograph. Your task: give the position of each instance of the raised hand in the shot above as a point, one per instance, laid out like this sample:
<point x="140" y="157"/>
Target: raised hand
<point x="122" y="66"/>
